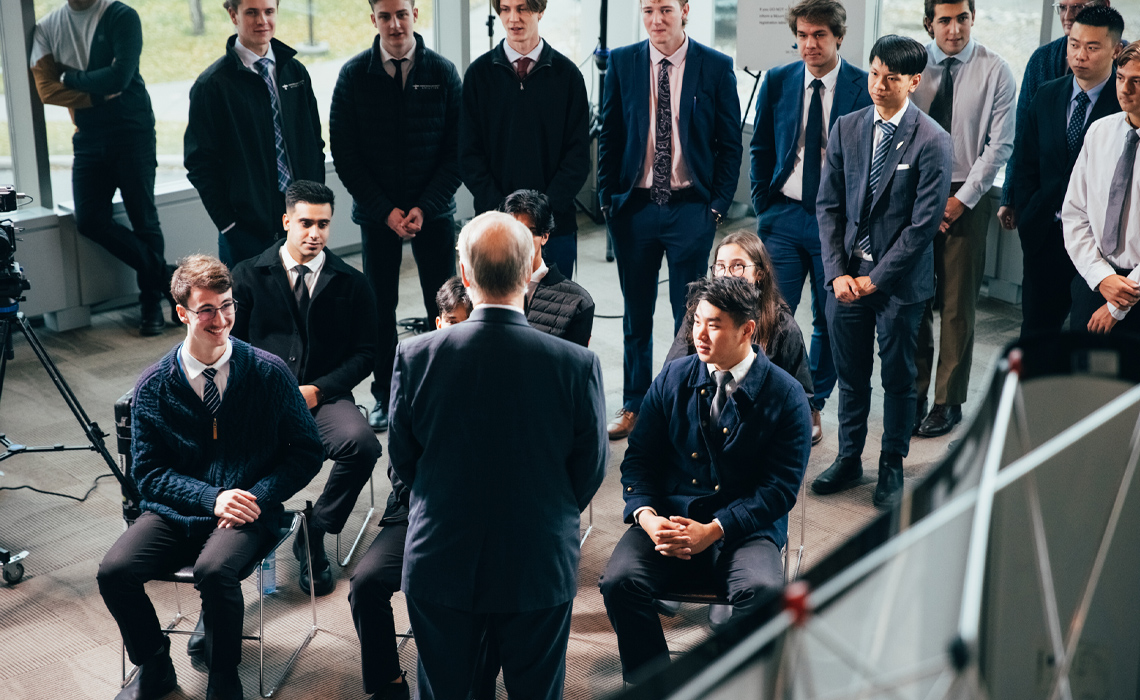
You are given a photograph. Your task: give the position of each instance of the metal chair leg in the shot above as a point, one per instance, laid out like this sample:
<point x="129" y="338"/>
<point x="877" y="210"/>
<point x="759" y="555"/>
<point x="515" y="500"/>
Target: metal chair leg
<point x="312" y="632"/>
<point x="363" y="526"/>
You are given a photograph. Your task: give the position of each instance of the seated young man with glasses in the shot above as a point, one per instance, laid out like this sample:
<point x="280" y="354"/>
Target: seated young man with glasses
<point x="221" y="437"/>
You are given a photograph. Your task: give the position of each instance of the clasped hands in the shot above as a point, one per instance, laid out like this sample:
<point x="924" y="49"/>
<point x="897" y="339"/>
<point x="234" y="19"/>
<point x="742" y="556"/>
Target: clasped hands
<point x="236" y="507"/>
<point x="1122" y="293"/>
<point x="848" y="288"/>
<point x="406" y="224"/>
<point x="679" y="537"/>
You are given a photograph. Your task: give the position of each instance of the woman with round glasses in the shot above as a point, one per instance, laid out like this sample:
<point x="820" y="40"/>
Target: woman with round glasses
<point x="742" y="254"/>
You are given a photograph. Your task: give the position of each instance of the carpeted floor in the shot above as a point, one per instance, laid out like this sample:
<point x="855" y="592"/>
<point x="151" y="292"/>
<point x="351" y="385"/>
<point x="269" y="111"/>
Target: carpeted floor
<point x="58" y="641"/>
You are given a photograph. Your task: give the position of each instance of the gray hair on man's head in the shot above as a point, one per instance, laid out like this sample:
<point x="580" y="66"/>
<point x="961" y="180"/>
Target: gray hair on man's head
<point x="497" y="251"/>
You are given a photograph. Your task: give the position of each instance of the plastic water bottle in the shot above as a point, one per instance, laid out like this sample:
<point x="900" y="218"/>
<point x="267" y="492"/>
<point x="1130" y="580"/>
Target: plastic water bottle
<point x="268" y="574"/>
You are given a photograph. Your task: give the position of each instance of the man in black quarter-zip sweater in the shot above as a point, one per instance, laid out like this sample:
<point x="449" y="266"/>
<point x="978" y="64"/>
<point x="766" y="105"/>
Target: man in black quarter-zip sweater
<point x="525" y="124"/>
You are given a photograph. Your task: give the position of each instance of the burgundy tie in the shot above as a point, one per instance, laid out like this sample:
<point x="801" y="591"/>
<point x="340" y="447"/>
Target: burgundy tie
<point x="522" y="67"/>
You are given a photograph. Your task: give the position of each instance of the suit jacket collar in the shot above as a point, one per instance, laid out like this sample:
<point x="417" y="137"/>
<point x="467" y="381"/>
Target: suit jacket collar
<point x="271" y="258"/>
<point x="499" y="56"/>
<point x="847" y="91"/>
<point x="701" y="378"/>
<point x="484" y="314"/>
<point x="901" y="137"/>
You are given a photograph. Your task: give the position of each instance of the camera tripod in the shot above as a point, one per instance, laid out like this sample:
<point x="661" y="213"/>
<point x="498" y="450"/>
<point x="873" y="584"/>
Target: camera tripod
<point x="13" y="570"/>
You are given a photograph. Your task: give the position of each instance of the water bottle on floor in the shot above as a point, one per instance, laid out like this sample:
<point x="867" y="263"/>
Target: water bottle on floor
<point x="268" y="574"/>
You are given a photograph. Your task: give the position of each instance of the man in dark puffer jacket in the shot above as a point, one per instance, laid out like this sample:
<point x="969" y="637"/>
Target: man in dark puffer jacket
<point x="394" y="137"/>
<point x="554" y="304"/>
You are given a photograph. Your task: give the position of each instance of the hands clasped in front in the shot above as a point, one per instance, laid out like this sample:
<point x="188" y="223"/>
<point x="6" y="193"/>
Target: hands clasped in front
<point x="677" y="536"/>
<point x="848" y="288"/>
<point x="236" y="507"/>
<point x="1122" y="293"/>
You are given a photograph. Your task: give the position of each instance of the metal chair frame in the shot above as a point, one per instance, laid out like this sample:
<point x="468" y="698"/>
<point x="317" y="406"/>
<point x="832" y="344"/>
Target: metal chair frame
<point x="363" y="526"/>
<point x="298" y="521"/>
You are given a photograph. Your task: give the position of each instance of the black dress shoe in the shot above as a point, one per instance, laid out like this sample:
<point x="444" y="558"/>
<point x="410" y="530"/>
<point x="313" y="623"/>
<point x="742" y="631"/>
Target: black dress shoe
<point x="155" y="678"/>
<point x="321" y="578"/>
<point x="843" y="473"/>
<point x="196" y="647"/>
<point x="394" y="691"/>
<point x="151" y="322"/>
<point x="941" y="420"/>
<point x="919" y="415"/>
<point x="378" y="418"/>
<point x="888" y="491"/>
<point x="224" y="686"/>
<point x="719" y="617"/>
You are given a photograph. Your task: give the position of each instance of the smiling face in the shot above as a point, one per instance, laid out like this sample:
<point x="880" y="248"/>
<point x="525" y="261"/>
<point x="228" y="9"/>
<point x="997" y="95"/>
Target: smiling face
<point x="818" y="47"/>
<point x="256" y="23"/>
<point x="665" y="22"/>
<point x="719" y="340"/>
<point x="889" y="89"/>
<point x="393" y="20"/>
<point x="521" y="24"/>
<point x="206" y="340"/>
<point x="951" y="26"/>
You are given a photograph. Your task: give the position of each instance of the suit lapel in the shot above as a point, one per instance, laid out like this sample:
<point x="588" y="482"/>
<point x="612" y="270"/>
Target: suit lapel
<point x="327" y="273"/>
<point x="693" y="60"/>
<point x="794" y="88"/>
<point x="898" y="146"/>
<point x="863" y="146"/>
<point x="1058" y="123"/>
<point x="641" y="89"/>
<point x="845" y="93"/>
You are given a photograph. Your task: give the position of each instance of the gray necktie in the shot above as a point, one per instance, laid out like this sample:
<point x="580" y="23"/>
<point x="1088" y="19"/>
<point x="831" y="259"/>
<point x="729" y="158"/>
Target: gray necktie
<point x="1111" y="241"/>
<point x="722" y="378"/>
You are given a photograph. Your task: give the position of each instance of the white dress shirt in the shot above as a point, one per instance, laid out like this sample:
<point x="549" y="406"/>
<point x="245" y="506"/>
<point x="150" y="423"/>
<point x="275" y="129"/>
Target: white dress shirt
<point x="249" y="59"/>
<point x="514" y="56"/>
<point x="794" y="187"/>
<point x="535" y="278"/>
<point x="194" y="368"/>
<point x="1086" y="202"/>
<point x="982" y="122"/>
<point x="390" y="67"/>
<point x="315" y="266"/>
<point x="681" y="177"/>
<point x="878" y="133"/>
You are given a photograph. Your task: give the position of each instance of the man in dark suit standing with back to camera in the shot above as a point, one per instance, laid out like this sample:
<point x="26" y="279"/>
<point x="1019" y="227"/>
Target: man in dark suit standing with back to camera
<point x="884" y="190"/>
<point x="787" y="157"/>
<point x="471" y="570"/>
<point x="668" y="162"/>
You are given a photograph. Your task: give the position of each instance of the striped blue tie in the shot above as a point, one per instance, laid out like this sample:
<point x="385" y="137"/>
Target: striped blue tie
<point x="863" y="242"/>
<point x="210" y="396"/>
<point x="284" y="174"/>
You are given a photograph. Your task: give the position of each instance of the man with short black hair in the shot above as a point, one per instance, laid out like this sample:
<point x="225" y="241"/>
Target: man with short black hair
<point x="712" y="470"/>
<point x="253" y="129"/>
<point x="880" y="204"/>
<point x="797" y="106"/>
<point x="305" y="305"/>
<point x="453" y="302"/>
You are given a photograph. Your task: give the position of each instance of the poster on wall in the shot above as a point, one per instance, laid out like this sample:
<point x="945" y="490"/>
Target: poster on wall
<point x="764" y="40"/>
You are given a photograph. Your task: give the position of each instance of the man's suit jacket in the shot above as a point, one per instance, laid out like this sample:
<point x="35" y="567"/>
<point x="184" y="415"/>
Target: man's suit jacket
<point x="747" y="477"/>
<point x="779" y="122"/>
<point x="906" y="208"/>
<point x="709" y="125"/>
<point x="334" y="348"/>
<point x="499" y="431"/>
<point x="1043" y="162"/>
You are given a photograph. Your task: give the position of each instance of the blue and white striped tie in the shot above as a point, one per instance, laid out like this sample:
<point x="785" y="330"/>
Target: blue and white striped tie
<point x="284" y="174"/>
<point x="210" y="396"/>
<point x="863" y="242"/>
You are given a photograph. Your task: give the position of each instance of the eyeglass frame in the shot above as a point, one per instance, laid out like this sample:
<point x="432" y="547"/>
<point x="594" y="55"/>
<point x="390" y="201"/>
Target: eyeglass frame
<point x="730" y="269"/>
<point x="1075" y="8"/>
<point x="229" y="306"/>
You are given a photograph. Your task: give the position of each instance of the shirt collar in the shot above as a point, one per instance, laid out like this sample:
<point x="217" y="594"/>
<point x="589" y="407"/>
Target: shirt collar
<point x="512" y="307"/>
<point x="829" y="80"/>
<point x="513" y="55"/>
<point x="1093" y="92"/>
<point x="314" y="265"/>
<point x="740" y="370"/>
<point x="676" y="59"/>
<point x="194" y="367"/>
<point x="897" y="119"/>
<point x="410" y="55"/>
<point x="937" y="55"/>
<point x="249" y="58"/>
<point x="538" y="274"/>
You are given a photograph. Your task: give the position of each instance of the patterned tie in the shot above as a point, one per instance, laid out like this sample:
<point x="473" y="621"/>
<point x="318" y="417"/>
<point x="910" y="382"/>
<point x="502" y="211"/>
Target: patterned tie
<point x="1117" y="193"/>
<point x="663" y="147"/>
<point x="863" y="242"/>
<point x="722" y="378"/>
<point x="210" y="396"/>
<point x="813" y="147"/>
<point x="284" y="174"/>
<point x="1077" y="124"/>
<point x="301" y="290"/>
<point x="522" y="67"/>
<point x="399" y="63"/>
<point x="942" y="108"/>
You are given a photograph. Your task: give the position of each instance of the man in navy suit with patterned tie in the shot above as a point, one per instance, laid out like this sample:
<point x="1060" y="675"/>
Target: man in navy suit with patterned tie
<point x="668" y="162"/>
<point x="882" y="194"/>
<point x="788" y="142"/>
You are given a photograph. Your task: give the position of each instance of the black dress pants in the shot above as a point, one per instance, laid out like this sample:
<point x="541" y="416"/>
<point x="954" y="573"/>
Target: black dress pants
<point x="375" y="580"/>
<point x="1047" y="277"/>
<point x="746" y="574"/>
<point x="381" y="253"/>
<point x="354" y="449"/>
<point x="152" y="547"/>
<point x="127" y="164"/>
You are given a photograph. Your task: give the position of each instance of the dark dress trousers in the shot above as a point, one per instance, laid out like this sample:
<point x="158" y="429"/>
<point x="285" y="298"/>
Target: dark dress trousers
<point x="682" y="229"/>
<point x="331" y="349"/>
<point x="905" y="212"/>
<point x="464" y="434"/>
<point x="745" y="471"/>
<point x="230" y="152"/>
<point x="1043" y="167"/>
<point x="789" y="231"/>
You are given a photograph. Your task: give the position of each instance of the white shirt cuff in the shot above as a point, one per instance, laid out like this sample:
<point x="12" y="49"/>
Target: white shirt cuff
<point x="637" y="513"/>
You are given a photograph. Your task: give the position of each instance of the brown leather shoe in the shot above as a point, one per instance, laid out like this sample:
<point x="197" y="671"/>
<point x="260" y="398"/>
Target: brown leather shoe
<point x="816" y="427"/>
<point x="622" y="424"/>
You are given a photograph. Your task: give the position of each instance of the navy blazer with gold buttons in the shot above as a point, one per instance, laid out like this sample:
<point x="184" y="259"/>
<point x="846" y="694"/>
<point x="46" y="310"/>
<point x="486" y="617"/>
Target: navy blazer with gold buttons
<point x="745" y="471"/>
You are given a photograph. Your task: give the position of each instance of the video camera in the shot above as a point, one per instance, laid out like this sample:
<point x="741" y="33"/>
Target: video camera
<point x="13" y="282"/>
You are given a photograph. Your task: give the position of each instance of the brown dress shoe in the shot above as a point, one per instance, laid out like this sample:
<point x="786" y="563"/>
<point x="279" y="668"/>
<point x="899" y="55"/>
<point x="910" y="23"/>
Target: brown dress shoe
<point x="622" y="424"/>
<point x="816" y="427"/>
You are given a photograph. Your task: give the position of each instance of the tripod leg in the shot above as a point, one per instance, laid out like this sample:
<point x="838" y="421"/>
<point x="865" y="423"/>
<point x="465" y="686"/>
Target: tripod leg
<point x="5" y="349"/>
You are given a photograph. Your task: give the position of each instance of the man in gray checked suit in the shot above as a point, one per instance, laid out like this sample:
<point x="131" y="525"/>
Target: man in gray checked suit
<point x="882" y="194"/>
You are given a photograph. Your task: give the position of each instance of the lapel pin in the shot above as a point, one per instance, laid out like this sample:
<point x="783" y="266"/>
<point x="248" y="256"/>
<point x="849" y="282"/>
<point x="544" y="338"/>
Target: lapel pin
<point x="898" y="146"/>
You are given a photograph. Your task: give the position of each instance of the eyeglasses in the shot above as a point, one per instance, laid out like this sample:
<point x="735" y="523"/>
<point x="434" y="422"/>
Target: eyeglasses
<point x="1071" y="7"/>
<point x="736" y="269"/>
<point x="207" y="313"/>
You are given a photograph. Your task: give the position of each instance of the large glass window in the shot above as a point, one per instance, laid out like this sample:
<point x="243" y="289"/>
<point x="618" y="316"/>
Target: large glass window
<point x="7" y="173"/>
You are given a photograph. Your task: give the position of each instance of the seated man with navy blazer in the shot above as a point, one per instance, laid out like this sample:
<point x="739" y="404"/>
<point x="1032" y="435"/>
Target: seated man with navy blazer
<point x="883" y="192"/>
<point x="311" y="309"/>
<point x="712" y="470"/>
<point x="798" y="104"/>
